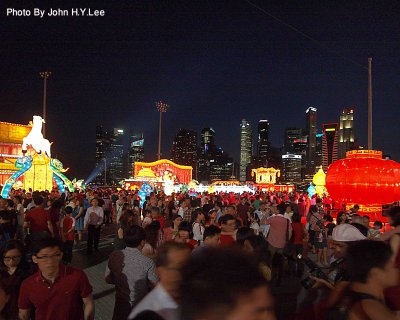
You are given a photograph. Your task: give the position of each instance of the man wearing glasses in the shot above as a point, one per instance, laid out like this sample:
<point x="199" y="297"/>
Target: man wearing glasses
<point x="56" y="291"/>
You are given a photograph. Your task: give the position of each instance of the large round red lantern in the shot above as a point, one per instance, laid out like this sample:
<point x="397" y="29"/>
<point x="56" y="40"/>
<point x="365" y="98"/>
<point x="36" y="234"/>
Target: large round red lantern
<point x="364" y="178"/>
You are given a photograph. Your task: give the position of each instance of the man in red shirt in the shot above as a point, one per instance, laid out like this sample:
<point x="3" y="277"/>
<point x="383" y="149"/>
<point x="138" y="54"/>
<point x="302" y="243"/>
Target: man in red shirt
<point x="38" y="221"/>
<point x="242" y="210"/>
<point x="55" y="291"/>
<point x="228" y="227"/>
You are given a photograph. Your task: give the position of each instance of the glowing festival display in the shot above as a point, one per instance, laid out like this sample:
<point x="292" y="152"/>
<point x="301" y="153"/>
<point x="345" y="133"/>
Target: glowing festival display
<point x="182" y="174"/>
<point x="168" y="183"/>
<point x="35" y="138"/>
<point x="266" y="180"/>
<point x="144" y="191"/>
<point x="266" y="175"/>
<point x="311" y="190"/>
<point x="364" y="178"/>
<point x="319" y="182"/>
<point x="36" y="170"/>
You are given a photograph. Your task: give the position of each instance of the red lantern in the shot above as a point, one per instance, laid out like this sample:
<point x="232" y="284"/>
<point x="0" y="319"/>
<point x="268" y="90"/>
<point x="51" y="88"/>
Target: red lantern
<point x="364" y="178"/>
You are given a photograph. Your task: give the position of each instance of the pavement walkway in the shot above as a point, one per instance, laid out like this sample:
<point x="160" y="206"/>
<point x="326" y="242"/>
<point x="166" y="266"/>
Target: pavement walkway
<point x="94" y="265"/>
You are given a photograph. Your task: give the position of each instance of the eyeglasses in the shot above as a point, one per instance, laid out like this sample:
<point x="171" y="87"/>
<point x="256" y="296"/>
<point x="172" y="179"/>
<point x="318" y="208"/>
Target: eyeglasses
<point x="13" y="258"/>
<point x="56" y="255"/>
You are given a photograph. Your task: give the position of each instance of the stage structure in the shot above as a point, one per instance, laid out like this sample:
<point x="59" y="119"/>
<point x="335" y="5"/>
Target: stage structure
<point x="30" y="165"/>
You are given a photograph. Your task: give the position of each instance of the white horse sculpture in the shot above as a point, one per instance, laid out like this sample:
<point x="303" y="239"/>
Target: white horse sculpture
<point x="35" y="138"/>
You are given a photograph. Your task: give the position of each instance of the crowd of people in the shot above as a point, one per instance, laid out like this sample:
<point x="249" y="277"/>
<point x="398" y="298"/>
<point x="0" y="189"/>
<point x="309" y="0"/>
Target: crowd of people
<point x="210" y="256"/>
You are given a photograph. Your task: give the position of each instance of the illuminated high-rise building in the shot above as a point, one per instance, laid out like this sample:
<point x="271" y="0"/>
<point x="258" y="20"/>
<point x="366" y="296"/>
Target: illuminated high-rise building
<point x="184" y="149"/>
<point x="318" y="150"/>
<point x="346" y="132"/>
<point x="103" y="143"/>
<point x="136" y="150"/>
<point x="117" y="157"/>
<point x="291" y="135"/>
<point x="329" y="144"/>
<point x="207" y="140"/>
<point x="311" y="131"/>
<point x="245" y="148"/>
<point x="263" y="143"/>
<point x="213" y="163"/>
<point x="292" y="167"/>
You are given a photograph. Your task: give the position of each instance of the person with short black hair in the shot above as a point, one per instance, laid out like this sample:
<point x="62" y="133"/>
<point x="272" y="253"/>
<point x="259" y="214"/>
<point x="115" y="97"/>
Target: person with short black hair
<point x="371" y="270"/>
<point x="224" y="284"/>
<point x="171" y="257"/>
<point x="92" y="223"/>
<point x="228" y="228"/>
<point x="38" y="221"/>
<point x="67" y="234"/>
<point x="56" y="291"/>
<point x="131" y="272"/>
<point x="211" y="238"/>
<point x="14" y="268"/>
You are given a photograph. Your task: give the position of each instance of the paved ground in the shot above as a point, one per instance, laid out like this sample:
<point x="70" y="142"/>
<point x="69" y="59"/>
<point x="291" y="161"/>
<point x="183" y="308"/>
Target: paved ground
<point x="95" y="264"/>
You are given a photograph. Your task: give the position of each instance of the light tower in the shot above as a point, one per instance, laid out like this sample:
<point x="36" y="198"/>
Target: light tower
<point x="161" y="107"/>
<point x="44" y="75"/>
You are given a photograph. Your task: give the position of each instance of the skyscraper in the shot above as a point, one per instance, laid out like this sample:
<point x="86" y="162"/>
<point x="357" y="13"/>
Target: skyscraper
<point x="245" y="148"/>
<point x="136" y="150"/>
<point x="318" y="149"/>
<point x="184" y="149"/>
<point x="346" y="132"/>
<point x="207" y="140"/>
<point x="221" y="166"/>
<point x="206" y="152"/>
<point x="329" y="144"/>
<point x="311" y="131"/>
<point x="300" y="148"/>
<point x="117" y="156"/>
<point x="291" y="135"/>
<point x="213" y="163"/>
<point x="292" y="167"/>
<point x="103" y="143"/>
<point x="263" y="141"/>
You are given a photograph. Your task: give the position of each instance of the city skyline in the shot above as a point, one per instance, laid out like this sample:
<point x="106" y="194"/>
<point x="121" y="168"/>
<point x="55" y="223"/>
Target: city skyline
<point x="214" y="63"/>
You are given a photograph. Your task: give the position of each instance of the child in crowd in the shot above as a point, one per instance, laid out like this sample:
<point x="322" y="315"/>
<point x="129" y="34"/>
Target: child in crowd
<point x="374" y="233"/>
<point x="67" y="231"/>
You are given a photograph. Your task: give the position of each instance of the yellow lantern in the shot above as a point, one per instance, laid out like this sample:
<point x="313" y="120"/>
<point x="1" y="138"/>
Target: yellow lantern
<point x="319" y="182"/>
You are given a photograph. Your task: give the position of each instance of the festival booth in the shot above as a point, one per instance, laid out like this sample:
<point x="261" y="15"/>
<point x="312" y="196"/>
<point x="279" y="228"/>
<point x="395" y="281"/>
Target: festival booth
<point x="29" y="164"/>
<point x="364" y="178"/>
<point x="266" y="180"/>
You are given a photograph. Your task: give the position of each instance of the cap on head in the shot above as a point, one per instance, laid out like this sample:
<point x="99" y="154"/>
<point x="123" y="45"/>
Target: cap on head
<point x="346" y="232"/>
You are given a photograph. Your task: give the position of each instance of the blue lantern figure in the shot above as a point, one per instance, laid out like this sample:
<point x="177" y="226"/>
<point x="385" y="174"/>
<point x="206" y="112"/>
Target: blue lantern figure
<point x="311" y="190"/>
<point x="144" y="191"/>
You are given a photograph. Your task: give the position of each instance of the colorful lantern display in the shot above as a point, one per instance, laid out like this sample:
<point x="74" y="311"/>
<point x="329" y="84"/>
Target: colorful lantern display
<point x="319" y="182"/>
<point x="364" y="178"/>
<point x="311" y="190"/>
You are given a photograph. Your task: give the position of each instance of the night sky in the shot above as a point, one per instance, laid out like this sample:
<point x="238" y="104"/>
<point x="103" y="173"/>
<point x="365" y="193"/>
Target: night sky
<point x="214" y="62"/>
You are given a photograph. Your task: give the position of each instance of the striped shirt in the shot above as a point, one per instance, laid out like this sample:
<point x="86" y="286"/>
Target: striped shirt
<point x="131" y="271"/>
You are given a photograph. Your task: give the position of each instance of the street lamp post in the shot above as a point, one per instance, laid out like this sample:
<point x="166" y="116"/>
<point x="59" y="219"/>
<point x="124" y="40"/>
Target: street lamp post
<point x="162" y="108"/>
<point x="45" y="76"/>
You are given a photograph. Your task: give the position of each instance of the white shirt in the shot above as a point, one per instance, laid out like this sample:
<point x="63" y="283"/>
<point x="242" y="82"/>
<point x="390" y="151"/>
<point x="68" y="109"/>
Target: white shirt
<point x="198" y="231"/>
<point x="93" y="216"/>
<point x="159" y="301"/>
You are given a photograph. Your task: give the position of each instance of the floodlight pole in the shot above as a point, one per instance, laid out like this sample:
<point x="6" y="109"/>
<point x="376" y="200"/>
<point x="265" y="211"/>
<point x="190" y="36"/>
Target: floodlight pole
<point x="369" y="103"/>
<point x="162" y="108"/>
<point x="45" y="75"/>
